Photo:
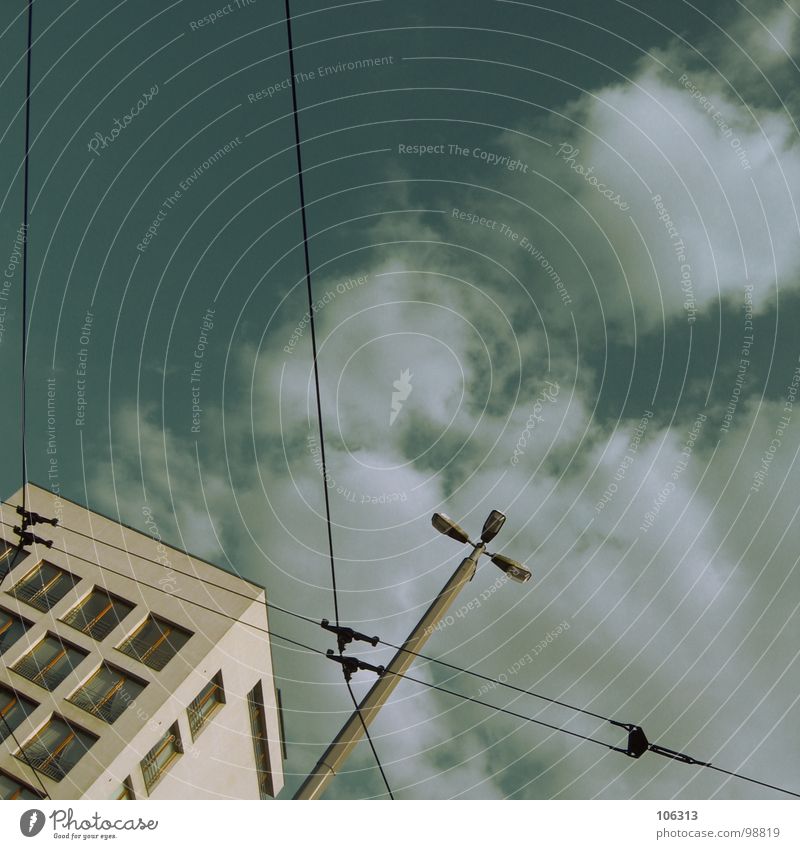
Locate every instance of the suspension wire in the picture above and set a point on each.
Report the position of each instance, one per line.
(421, 656)
(242, 595)
(496, 681)
(369, 739)
(23, 388)
(455, 668)
(130, 553)
(425, 657)
(312, 650)
(301, 188)
(553, 727)
(463, 697)
(382, 642)
(24, 334)
(751, 780)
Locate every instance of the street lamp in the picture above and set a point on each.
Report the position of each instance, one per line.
(492, 525)
(513, 568)
(388, 677)
(445, 525)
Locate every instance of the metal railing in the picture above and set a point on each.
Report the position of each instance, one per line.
(97, 629)
(201, 708)
(43, 760)
(260, 750)
(46, 676)
(108, 710)
(155, 762)
(44, 597)
(145, 651)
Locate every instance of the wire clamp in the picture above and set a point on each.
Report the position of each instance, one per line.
(347, 635)
(638, 743)
(353, 664)
(676, 756)
(27, 538)
(31, 518)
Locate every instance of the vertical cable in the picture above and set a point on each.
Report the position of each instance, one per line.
(311, 305)
(25, 252)
(25, 326)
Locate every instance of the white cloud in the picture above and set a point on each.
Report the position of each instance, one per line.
(661, 619)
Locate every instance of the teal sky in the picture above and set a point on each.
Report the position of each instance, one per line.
(682, 625)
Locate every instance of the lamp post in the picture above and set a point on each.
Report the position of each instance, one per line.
(352, 732)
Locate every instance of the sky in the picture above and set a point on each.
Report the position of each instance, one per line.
(555, 268)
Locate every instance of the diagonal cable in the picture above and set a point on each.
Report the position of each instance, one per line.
(470, 699)
(23, 754)
(311, 305)
(369, 740)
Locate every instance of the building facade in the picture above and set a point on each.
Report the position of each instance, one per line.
(128, 668)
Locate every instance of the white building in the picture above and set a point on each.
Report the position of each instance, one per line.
(129, 669)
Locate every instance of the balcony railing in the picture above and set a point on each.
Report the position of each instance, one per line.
(97, 629)
(143, 650)
(201, 709)
(41, 759)
(93, 703)
(158, 760)
(43, 598)
(260, 750)
(48, 678)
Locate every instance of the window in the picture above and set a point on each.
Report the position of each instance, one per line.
(258, 727)
(49, 662)
(161, 756)
(57, 748)
(11, 628)
(125, 791)
(44, 586)
(208, 700)
(107, 693)
(6, 557)
(98, 614)
(11, 789)
(281, 728)
(155, 642)
(13, 709)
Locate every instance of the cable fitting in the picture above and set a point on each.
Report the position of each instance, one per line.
(31, 518)
(353, 664)
(27, 538)
(344, 635)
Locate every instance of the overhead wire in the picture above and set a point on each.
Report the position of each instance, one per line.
(369, 739)
(540, 722)
(323, 462)
(496, 681)
(470, 699)
(299, 158)
(24, 262)
(23, 404)
(24, 335)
